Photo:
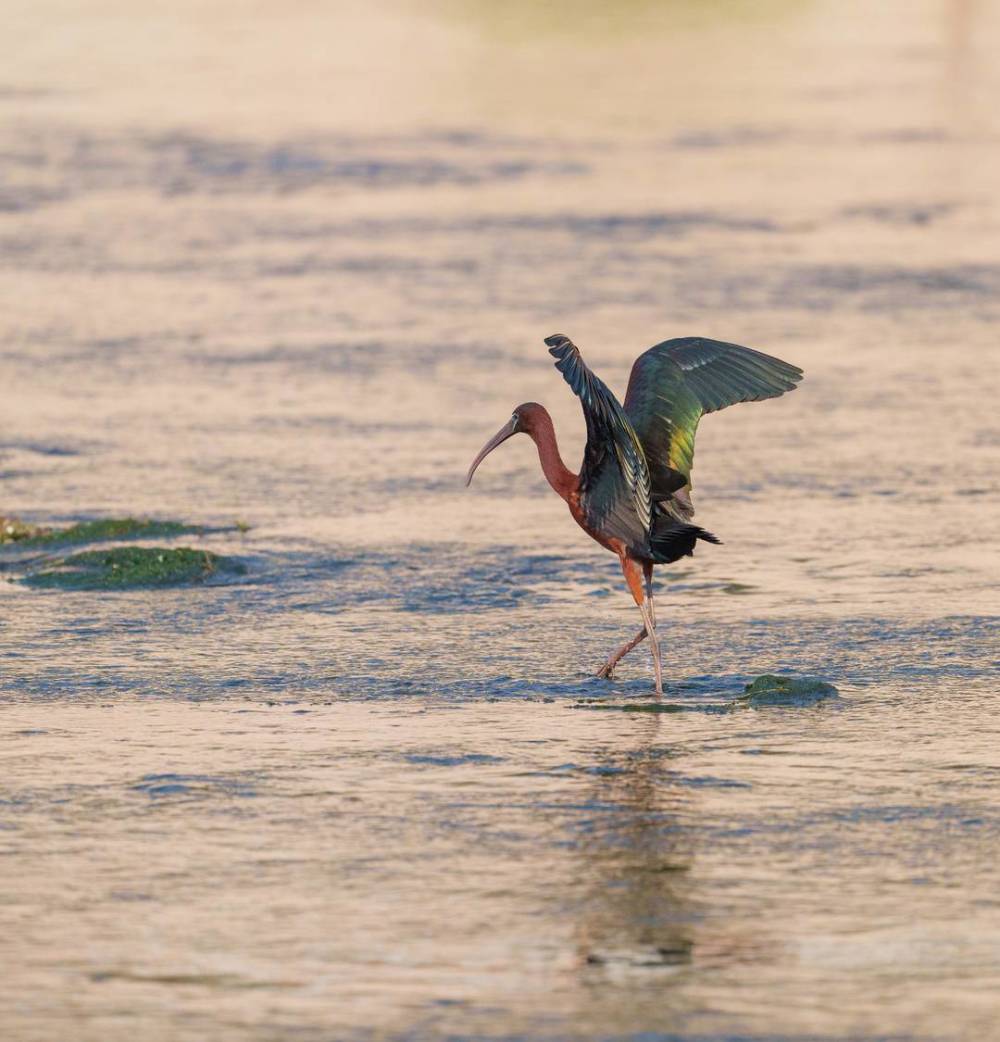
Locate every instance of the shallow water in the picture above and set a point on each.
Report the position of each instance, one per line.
(291, 266)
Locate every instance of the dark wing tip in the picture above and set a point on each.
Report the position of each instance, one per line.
(559, 345)
(787, 371)
(787, 377)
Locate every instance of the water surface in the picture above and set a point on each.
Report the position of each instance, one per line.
(291, 266)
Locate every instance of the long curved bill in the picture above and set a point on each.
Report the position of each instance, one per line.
(501, 436)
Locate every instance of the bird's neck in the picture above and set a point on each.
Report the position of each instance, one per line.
(558, 475)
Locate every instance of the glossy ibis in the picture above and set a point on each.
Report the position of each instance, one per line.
(633, 491)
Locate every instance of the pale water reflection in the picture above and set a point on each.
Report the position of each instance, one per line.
(522, 867)
(291, 265)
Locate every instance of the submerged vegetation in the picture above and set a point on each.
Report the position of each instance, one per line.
(108, 568)
(765, 690)
(13, 531)
(773, 690)
(129, 567)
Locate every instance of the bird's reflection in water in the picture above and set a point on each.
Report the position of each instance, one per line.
(637, 851)
(651, 929)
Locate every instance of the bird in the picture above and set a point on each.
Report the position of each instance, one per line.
(633, 490)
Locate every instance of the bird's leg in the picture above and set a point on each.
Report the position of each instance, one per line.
(654, 642)
(607, 671)
(634, 576)
(654, 645)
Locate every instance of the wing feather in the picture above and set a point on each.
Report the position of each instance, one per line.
(675, 383)
(614, 479)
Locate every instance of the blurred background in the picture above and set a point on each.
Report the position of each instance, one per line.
(289, 265)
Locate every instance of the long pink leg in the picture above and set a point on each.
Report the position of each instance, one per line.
(647, 571)
(654, 645)
(644, 601)
(607, 671)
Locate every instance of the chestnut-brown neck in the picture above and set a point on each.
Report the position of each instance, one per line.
(543, 434)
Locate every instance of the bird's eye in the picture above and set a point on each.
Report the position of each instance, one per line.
(514, 421)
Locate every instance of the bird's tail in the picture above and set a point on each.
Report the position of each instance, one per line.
(671, 540)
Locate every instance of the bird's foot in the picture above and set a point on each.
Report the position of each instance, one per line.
(606, 672)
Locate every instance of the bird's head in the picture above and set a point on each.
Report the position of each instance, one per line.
(524, 420)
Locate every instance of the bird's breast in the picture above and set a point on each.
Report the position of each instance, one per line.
(576, 509)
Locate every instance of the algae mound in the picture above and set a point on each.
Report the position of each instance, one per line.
(765, 691)
(14, 531)
(773, 690)
(90, 531)
(132, 567)
(111, 568)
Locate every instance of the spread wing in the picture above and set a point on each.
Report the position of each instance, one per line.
(675, 383)
(614, 479)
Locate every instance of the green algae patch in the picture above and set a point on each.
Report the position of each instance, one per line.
(132, 567)
(100, 531)
(763, 692)
(773, 690)
(14, 531)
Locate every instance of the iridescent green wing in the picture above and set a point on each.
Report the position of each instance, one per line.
(675, 383)
(614, 478)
